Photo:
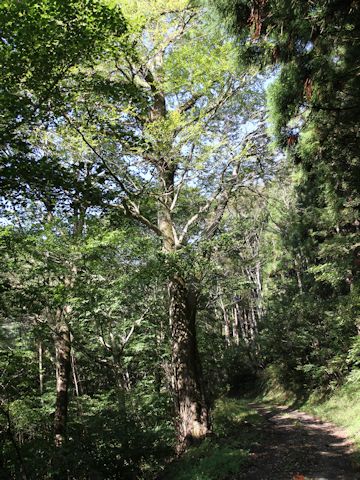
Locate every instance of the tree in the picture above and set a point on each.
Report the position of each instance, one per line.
(112, 309)
(41, 44)
(176, 146)
(150, 134)
(315, 116)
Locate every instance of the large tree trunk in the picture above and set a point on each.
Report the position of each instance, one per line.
(63, 369)
(63, 340)
(192, 418)
(191, 409)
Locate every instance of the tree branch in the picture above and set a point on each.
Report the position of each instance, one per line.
(130, 208)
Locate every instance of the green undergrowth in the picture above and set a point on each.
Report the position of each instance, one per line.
(270, 390)
(238, 427)
(340, 407)
(224, 454)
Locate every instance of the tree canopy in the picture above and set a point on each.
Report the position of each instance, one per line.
(179, 215)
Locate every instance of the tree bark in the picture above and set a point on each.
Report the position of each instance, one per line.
(63, 369)
(41, 371)
(63, 340)
(75, 375)
(226, 323)
(190, 404)
(192, 418)
(236, 324)
(12, 437)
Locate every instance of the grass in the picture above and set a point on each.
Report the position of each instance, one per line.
(237, 427)
(225, 454)
(342, 407)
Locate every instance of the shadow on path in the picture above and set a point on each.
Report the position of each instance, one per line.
(293, 445)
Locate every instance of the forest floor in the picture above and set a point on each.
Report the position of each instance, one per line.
(294, 445)
(262, 441)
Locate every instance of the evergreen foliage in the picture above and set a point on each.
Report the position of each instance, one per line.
(315, 118)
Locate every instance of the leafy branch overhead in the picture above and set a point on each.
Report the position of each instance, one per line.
(179, 222)
(177, 126)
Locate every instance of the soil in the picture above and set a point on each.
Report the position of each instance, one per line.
(295, 446)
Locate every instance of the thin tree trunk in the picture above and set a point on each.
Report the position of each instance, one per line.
(12, 438)
(252, 324)
(259, 302)
(158, 373)
(235, 326)
(74, 370)
(41, 371)
(299, 282)
(75, 375)
(63, 369)
(226, 323)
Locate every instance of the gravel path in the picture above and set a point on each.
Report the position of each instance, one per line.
(295, 446)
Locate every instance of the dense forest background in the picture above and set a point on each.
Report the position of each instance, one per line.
(179, 219)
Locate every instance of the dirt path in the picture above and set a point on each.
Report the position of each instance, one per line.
(296, 446)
